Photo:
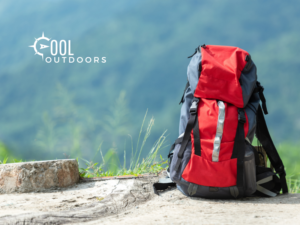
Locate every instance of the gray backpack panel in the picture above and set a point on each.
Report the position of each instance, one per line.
(193, 76)
(175, 175)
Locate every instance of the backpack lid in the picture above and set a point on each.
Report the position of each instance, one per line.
(222, 67)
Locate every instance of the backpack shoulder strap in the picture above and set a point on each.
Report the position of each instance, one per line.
(263, 135)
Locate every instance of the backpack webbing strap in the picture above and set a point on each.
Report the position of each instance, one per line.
(182, 98)
(196, 133)
(239, 151)
(188, 130)
(260, 90)
(263, 135)
(163, 184)
(177, 141)
(268, 183)
(264, 190)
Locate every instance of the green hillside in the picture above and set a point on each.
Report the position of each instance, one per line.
(51, 109)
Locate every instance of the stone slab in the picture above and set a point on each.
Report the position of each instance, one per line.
(38, 175)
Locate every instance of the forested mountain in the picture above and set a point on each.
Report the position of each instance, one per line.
(48, 109)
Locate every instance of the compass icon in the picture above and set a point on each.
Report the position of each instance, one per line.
(41, 45)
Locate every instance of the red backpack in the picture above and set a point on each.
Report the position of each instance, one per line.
(220, 114)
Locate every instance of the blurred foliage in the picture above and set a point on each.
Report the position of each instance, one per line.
(70, 131)
(115, 123)
(65, 110)
(6, 155)
(4, 152)
(111, 166)
(289, 154)
(293, 185)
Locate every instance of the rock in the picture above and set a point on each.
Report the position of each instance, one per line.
(37, 176)
(123, 194)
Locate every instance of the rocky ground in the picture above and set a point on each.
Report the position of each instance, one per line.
(131, 201)
(77, 204)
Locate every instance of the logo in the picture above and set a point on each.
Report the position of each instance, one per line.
(61, 52)
(42, 46)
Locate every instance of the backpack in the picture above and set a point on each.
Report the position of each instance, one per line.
(220, 114)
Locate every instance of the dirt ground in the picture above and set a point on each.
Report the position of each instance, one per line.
(174, 208)
(132, 201)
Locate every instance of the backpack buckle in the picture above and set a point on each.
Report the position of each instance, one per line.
(194, 106)
(260, 90)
